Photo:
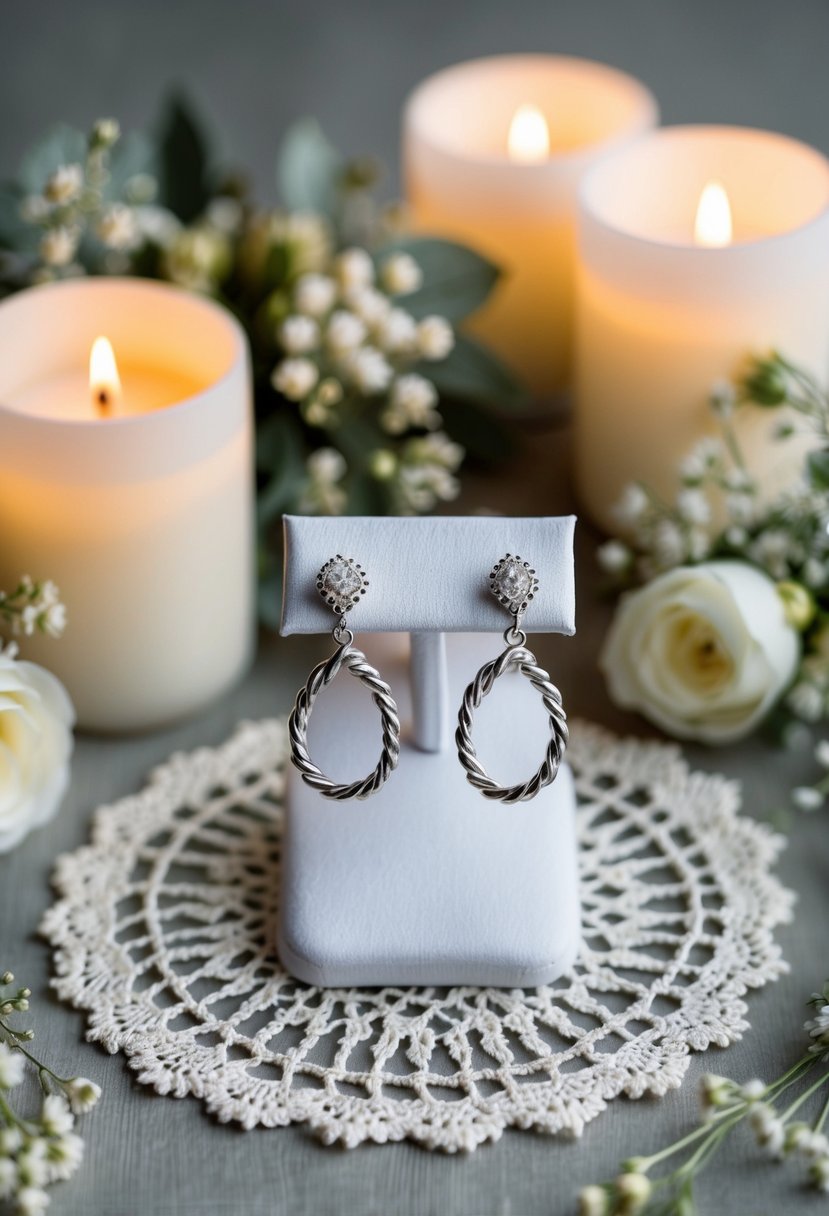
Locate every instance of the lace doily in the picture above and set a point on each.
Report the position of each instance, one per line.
(163, 932)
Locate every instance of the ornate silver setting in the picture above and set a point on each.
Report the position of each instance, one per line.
(342, 582)
(514, 583)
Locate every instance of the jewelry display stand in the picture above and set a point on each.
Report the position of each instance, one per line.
(427, 881)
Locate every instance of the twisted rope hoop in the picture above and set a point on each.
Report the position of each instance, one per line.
(322, 675)
(516, 655)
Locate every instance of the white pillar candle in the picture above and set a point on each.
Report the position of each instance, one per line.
(140, 508)
(494, 151)
(667, 307)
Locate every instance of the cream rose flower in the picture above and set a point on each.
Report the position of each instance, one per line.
(36, 719)
(703, 651)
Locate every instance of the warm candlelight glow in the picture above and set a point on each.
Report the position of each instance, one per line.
(529, 137)
(104, 381)
(713, 222)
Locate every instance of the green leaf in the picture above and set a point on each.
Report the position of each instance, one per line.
(280, 454)
(473, 373)
(15, 234)
(308, 169)
(63, 145)
(818, 466)
(456, 279)
(367, 496)
(183, 161)
(483, 436)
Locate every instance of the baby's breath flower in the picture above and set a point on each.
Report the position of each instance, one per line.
(314, 294)
(435, 338)
(822, 753)
(723, 398)
(819, 1174)
(693, 506)
(344, 332)
(370, 305)
(400, 274)
(382, 464)
(632, 505)
(299, 334)
(397, 333)
(354, 269)
(82, 1093)
(117, 228)
(369, 370)
(141, 189)
(815, 573)
(323, 495)
(12, 1067)
(63, 1157)
(330, 392)
(807, 798)
(703, 459)
(56, 1117)
(753, 1090)
(8, 1178)
(295, 378)
(632, 1193)
(806, 700)
(34, 209)
(593, 1201)
(225, 214)
(614, 557)
(412, 403)
(105, 133)
(58, 246)
(31, 1201)
(668, 543)
(64, 185)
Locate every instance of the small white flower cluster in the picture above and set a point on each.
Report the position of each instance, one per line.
(324, 493)
(717, 513)
(346, 334)
(33, 607)
(813, 797)
(775, 1133)
(347, 340)
(36, 1152)
(72, 205)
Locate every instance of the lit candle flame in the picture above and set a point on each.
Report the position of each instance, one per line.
(713, 222)
(104, 381)
(529, 136)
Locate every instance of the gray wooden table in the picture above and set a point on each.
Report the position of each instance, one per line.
(154, 1156)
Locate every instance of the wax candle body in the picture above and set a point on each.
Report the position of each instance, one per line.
(661, 319)
(143, 519)
(462, 183)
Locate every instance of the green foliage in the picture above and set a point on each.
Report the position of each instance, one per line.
(473, 373)
(456, 280)
(183, 163)
(309, 170)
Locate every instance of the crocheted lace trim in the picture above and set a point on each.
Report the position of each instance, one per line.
(163, 933)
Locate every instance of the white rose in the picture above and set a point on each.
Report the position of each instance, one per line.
(36, 720)
(703, 651)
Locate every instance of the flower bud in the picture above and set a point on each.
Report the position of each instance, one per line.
(798, 604)
(765, 383)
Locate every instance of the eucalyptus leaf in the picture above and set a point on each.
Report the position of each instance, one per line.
(280, 454)
(818, 465)
(15, 233)
(308, 169)
(456, 279)
(183, 161)
(62, 146)
(472, 373)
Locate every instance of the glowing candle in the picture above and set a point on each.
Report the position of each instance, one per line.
(697, 247)
(126, 476)
(494, 151)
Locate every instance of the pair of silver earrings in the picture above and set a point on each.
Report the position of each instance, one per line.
(342, 583)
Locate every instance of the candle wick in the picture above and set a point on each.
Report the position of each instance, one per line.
(103, 399)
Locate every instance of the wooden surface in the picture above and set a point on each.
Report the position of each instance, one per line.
(164, 1157)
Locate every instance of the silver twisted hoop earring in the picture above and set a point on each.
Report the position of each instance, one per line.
(342, 582)
(513, 582)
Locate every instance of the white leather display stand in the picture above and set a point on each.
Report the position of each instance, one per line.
(428, 882)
